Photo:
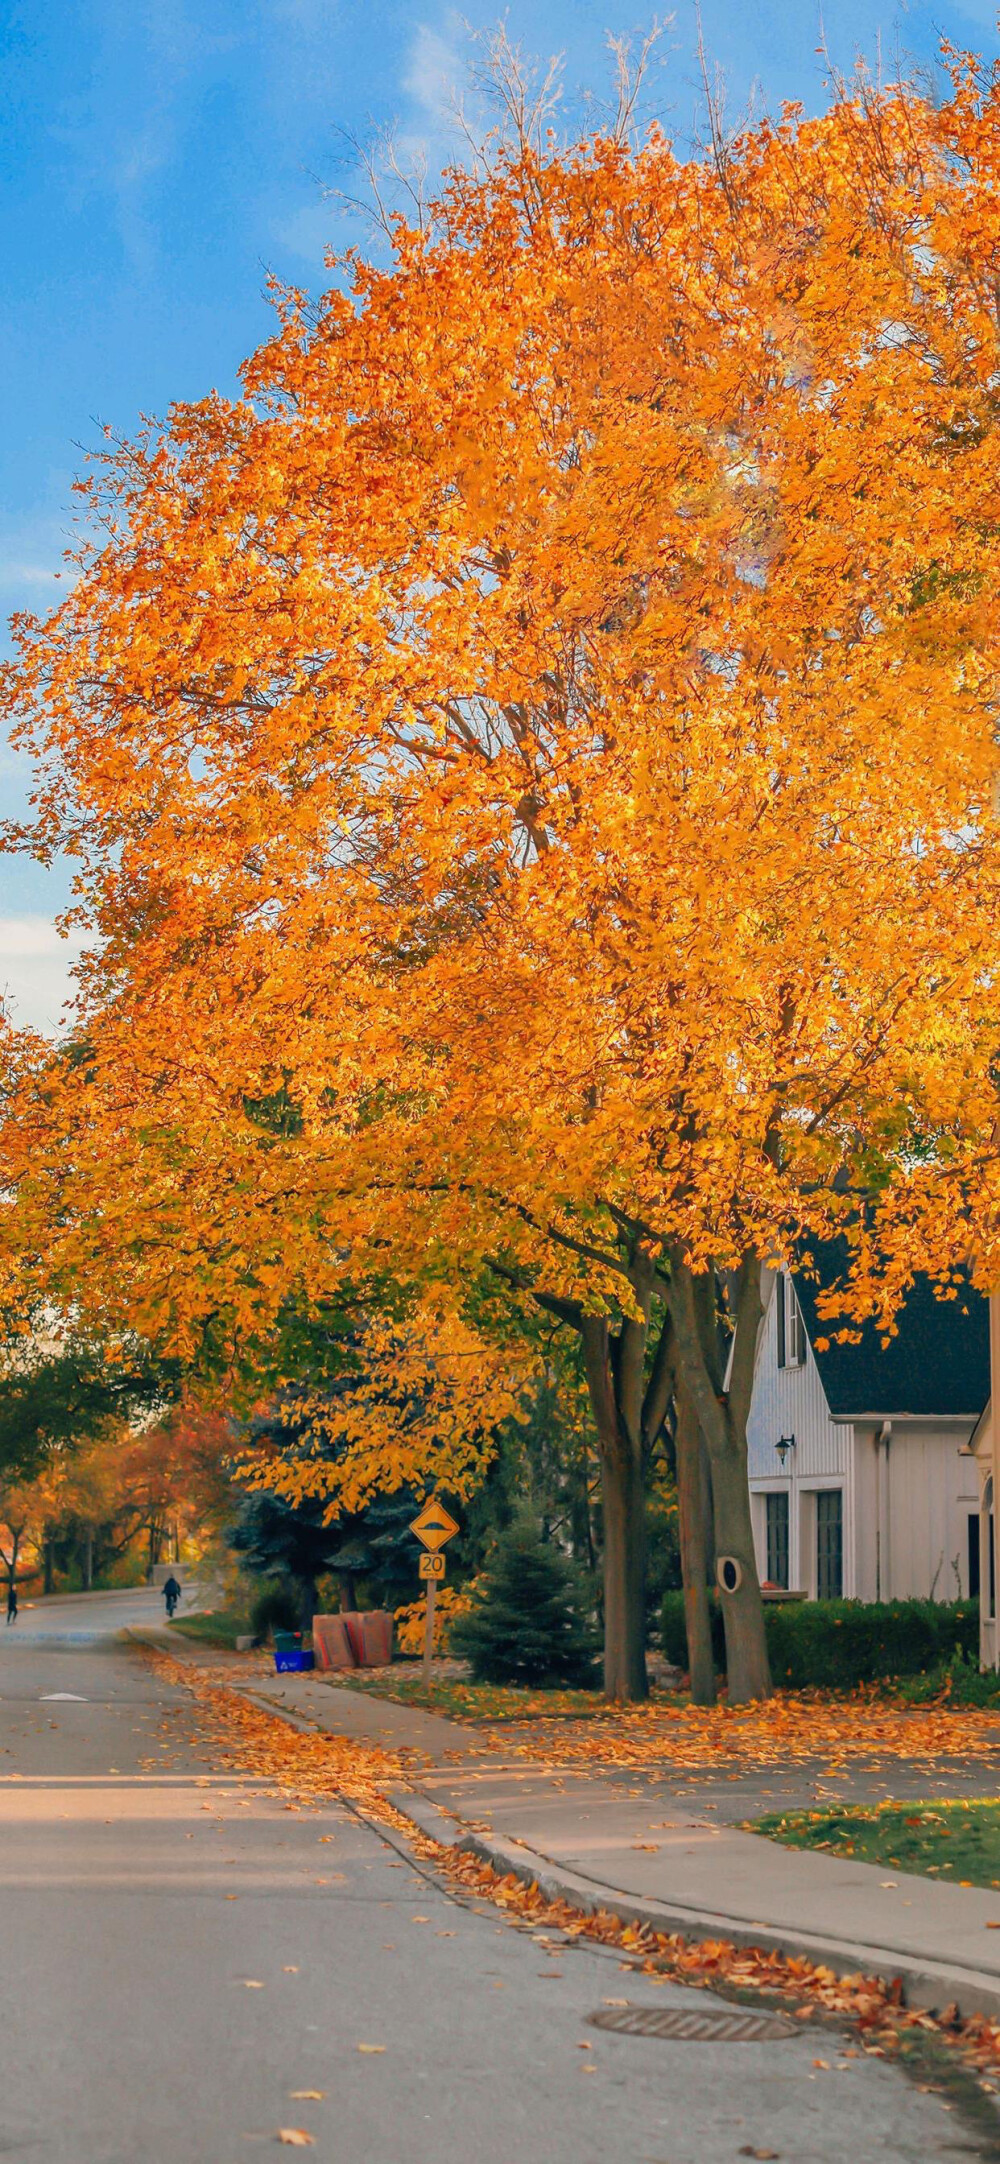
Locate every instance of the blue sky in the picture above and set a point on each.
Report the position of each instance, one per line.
(159, 157)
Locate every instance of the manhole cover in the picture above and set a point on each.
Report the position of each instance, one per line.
(689, 2025)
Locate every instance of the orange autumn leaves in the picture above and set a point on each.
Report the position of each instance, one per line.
(793, 1729)
(542, 732)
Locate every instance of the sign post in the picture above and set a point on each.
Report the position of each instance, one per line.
(433, 1528)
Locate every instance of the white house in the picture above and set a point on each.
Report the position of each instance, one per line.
(862, 1479)
(985, 1455)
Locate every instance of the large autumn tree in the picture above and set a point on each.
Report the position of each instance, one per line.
(545, 728)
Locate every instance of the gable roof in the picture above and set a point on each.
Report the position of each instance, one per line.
(938, 1362)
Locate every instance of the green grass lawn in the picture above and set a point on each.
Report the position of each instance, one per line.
(959, 1842)
(463, 1701)
(217, 1629)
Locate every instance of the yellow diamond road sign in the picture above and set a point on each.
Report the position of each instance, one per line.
(434, 1526)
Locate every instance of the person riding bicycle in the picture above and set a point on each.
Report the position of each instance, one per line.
(171, 1594)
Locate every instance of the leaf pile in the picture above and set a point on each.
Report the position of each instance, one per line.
(789, 1729)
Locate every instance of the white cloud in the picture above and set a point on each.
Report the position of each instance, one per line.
(311, 230)
(434, 75)
(35, 964)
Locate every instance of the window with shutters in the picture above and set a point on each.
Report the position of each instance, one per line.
(796, 1331)
(777, 1538)
(791, 1328)
(829, 1544)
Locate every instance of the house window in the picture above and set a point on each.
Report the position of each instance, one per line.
(777, 1538)
(986, 1526)
(791, 1328)
(974, 1555)
(829, 1544)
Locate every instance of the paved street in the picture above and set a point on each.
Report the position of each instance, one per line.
(97, 1614)
(181, 1953)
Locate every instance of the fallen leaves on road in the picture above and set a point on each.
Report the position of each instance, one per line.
(873, 2004)
(295, 2137)
(306, 2096)
(297, 1766)
(308, 1767)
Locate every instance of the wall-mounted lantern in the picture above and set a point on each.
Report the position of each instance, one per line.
(784, 1444)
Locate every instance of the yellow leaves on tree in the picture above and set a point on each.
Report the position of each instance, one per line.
(449, 1601)
(531, 764)
(427, 1406)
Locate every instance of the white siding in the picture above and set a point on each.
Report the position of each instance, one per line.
(792, 1401)
(906, 1510)
(917, 1498)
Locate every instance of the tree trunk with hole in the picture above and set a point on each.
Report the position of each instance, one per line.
(720, 1384)
(695, 1549)
(747, 1666)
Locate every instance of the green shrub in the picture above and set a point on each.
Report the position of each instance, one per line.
(840, 1643)
(276, 1608)
(529, 1622)
(959, 1682)
(673, 1632)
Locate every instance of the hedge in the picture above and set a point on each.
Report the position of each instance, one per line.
(840, 1643)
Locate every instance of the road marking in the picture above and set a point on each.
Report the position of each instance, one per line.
(50, 1698)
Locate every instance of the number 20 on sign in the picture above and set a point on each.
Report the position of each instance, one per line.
(433, 1526)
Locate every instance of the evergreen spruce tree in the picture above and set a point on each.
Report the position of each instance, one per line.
(530, 1623)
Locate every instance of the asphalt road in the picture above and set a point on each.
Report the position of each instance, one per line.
(180, 1953)
(97, 1614)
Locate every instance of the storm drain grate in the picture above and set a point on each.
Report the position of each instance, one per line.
(688, 2025)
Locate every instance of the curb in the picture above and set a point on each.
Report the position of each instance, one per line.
(926, 1984)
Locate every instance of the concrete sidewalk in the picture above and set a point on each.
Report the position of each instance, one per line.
(667, 1859)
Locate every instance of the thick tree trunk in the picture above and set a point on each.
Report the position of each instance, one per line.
(348, 1594)
(611, 1371)
(623, 1494)
(722, 1403)
(747, 1665)
(48, 1567)
(695, 1549)
(88, 1561)
(307, 1603)
(581, 1530)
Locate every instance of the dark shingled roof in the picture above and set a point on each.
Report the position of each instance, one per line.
(939, 1361)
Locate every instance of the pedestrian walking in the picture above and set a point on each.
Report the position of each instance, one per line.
(171, 1594)
(12, 1603)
